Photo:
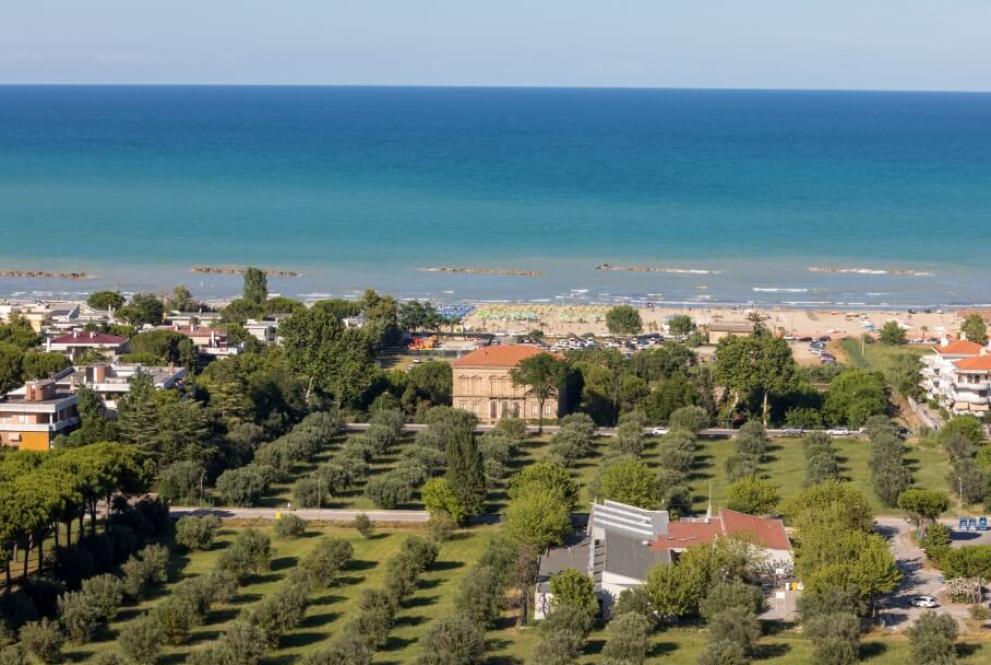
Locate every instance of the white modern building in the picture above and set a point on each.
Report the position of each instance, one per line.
(957, 375)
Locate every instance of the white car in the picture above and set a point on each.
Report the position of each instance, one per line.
(927, 602)
(659, 431)
(838, 431)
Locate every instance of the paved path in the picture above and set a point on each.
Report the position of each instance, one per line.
(918, 579)
(321, 514)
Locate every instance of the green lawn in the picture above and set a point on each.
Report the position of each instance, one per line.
(508, 645)
(330, 609)
(878, 356)
(785, 466)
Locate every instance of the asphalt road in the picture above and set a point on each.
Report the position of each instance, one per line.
(326, 515)
(711, 432)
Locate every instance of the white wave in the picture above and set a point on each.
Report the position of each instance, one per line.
(779, 290)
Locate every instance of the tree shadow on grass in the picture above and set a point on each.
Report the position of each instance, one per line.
(361, 564)
(420, 601)
(221, 616)
(319, 620)
(767, 651)
(329, 599)
(396, 643)
(296, 640)
(659, 649)
(244, 598)
(283, 562)
(870, 650)
(446, 565)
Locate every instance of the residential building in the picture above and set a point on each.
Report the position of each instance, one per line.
(78, 343)
(621, 543)
(615, 551)
(209, 341)
(768, 534)
(112, 381)
(957, 375)
(263, 331)
(31, 416)
(482, 385)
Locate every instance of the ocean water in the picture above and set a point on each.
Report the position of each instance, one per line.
(732, 196)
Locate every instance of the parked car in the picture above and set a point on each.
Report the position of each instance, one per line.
(838, 431)
(927, 602)
(793, 431)
(963, 524)
(982, 523)
(659, 431)
(972, 523)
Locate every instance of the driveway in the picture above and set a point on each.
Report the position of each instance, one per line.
(918, 579)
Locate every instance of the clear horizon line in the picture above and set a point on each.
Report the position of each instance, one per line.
(4, 84)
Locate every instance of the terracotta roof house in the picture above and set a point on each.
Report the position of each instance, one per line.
(79, 342)
(482, 385)
(957, 375)
(767, 533)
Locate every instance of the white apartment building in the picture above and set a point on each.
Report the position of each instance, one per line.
(957, 375)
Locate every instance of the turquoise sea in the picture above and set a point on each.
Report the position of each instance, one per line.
(732, 196)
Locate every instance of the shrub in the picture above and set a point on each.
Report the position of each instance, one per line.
(248, 554)
(109, 658)
(389, 490)
(574, 588)
(692, 419)
(149, 566)
(724, 653)
(281, 612)
(439, 498)
(753, 496)
(309, 492)
(14, 655)
(479, 598)
(737, 624)
(452, 641)
(628, 639)
(43, 639)
(326, 560)
(181, 482)
(142, 641)
(78, 616)
(932, 637)
(196, 533)
(106, 592)
(177, 615)
(441, 527)
(242, 644)
(244, 486)
(363, 525)
(349, 649)
(634, 601)
(726, 595)
(290, 526)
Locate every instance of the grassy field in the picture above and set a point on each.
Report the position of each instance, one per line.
(508, 645)
(878, 356)
(330, 609)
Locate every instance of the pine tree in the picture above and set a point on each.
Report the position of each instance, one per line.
(138, 412)
(465, 470)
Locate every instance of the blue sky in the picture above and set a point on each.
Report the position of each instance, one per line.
(833, 44)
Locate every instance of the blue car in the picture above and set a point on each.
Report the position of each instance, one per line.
(963, 524)
(972, 523)
(982, 524)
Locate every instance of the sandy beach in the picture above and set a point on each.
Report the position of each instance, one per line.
(562, 320)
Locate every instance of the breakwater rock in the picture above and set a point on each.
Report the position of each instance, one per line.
(238, 270)
(506, 272)
(45, 274)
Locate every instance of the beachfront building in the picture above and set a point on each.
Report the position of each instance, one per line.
(482, 385)
(33, 415)
(957, 376)
(77, 344)
(720, 329)
(621, 543)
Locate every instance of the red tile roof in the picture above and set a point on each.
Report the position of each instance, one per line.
(767, 532)
(500, 355)
(960, 347)
(90, 339)
(977, 363)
